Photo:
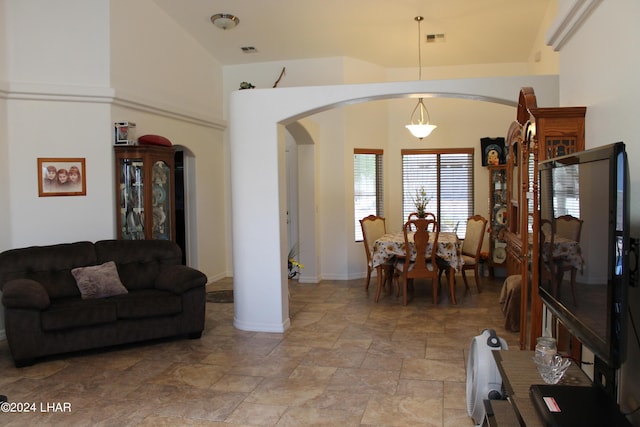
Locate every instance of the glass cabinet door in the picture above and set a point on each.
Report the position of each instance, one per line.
(160, 200)
(132, 199)
(498, 210)
(145, 199)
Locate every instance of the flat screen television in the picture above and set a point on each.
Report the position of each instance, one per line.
(593, 186)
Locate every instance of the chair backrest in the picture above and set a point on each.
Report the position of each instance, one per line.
(421, 237)
(373, 227)
(427, 215)
(569, 227)
(472, 244)
(546, 239)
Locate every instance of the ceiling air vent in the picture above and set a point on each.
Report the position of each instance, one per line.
(249, 49)
(435, 38)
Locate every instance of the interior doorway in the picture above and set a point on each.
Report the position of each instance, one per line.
(179, 203)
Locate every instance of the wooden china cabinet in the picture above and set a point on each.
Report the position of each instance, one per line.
(145, 193)
(537, 134)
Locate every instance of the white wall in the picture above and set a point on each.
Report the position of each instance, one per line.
(598, 69)
(378, 124)
(258, 175)
(127, 61)
(58, 94)
(157, 90)
(155, 60)
(68, 69)
(4, 145)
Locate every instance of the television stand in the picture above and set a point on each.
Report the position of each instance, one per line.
(518, 373)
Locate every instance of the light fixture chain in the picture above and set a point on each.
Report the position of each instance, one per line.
(419, 18)
(423, 128)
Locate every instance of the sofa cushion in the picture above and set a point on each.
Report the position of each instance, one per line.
(180, 278)
(75, 312)
(98, 281)
(139, 261)
(49, 265)
(24, 293)
(147, 303)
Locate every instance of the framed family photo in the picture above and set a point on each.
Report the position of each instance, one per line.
(61, 177)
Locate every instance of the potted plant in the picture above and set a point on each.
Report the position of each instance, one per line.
(293, 266)
(421, 201)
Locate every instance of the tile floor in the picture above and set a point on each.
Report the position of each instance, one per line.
(345, 361)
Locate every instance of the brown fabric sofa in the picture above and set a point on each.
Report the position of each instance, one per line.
(45, 313)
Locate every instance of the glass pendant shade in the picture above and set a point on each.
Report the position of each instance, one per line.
(422, 128)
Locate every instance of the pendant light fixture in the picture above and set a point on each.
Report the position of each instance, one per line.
(419, 127)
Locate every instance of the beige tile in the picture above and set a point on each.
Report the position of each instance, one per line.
(383, 362)
(439, 370)
(457, 418)
(403, 411)
(421, 389)
(338, 358)
(452, 393)
(236, 383)
(297, 416)
(200, 376)
(364, 381)
(284, 391)
(344, 361)
(256, 414)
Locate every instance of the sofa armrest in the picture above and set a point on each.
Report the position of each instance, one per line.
(179, 279)
(25, 293)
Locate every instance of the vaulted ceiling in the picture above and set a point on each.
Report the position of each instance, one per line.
(382, 32)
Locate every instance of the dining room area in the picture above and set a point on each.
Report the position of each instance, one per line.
(421, 251)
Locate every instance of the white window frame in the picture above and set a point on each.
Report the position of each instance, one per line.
(448, 178)
(368, 186)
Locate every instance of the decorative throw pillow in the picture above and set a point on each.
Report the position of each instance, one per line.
(98, 281)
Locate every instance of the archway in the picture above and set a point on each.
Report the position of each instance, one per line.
(258, 174)
(185, 183)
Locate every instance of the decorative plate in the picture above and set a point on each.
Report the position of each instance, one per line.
(159, 195)
(501, 216)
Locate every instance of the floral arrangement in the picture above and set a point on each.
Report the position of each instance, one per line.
(293, 266)
(421, 201)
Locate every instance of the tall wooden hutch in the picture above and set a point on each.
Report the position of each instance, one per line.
(537, 134)
(145, 192)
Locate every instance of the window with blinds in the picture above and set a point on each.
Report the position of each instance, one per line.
(367, 186)
(447, 177)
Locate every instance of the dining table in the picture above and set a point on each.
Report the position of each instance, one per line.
(392, 245)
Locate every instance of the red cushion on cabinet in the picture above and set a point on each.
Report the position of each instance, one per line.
(154, 140)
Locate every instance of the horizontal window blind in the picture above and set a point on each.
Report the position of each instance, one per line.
(447, 177)
(367, 186)
(567, 192)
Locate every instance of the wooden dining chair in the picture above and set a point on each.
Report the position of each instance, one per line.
(422, 266)
(569, 227)
(471, 247)
(373, 227)
(548, 270)
(427, 215)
